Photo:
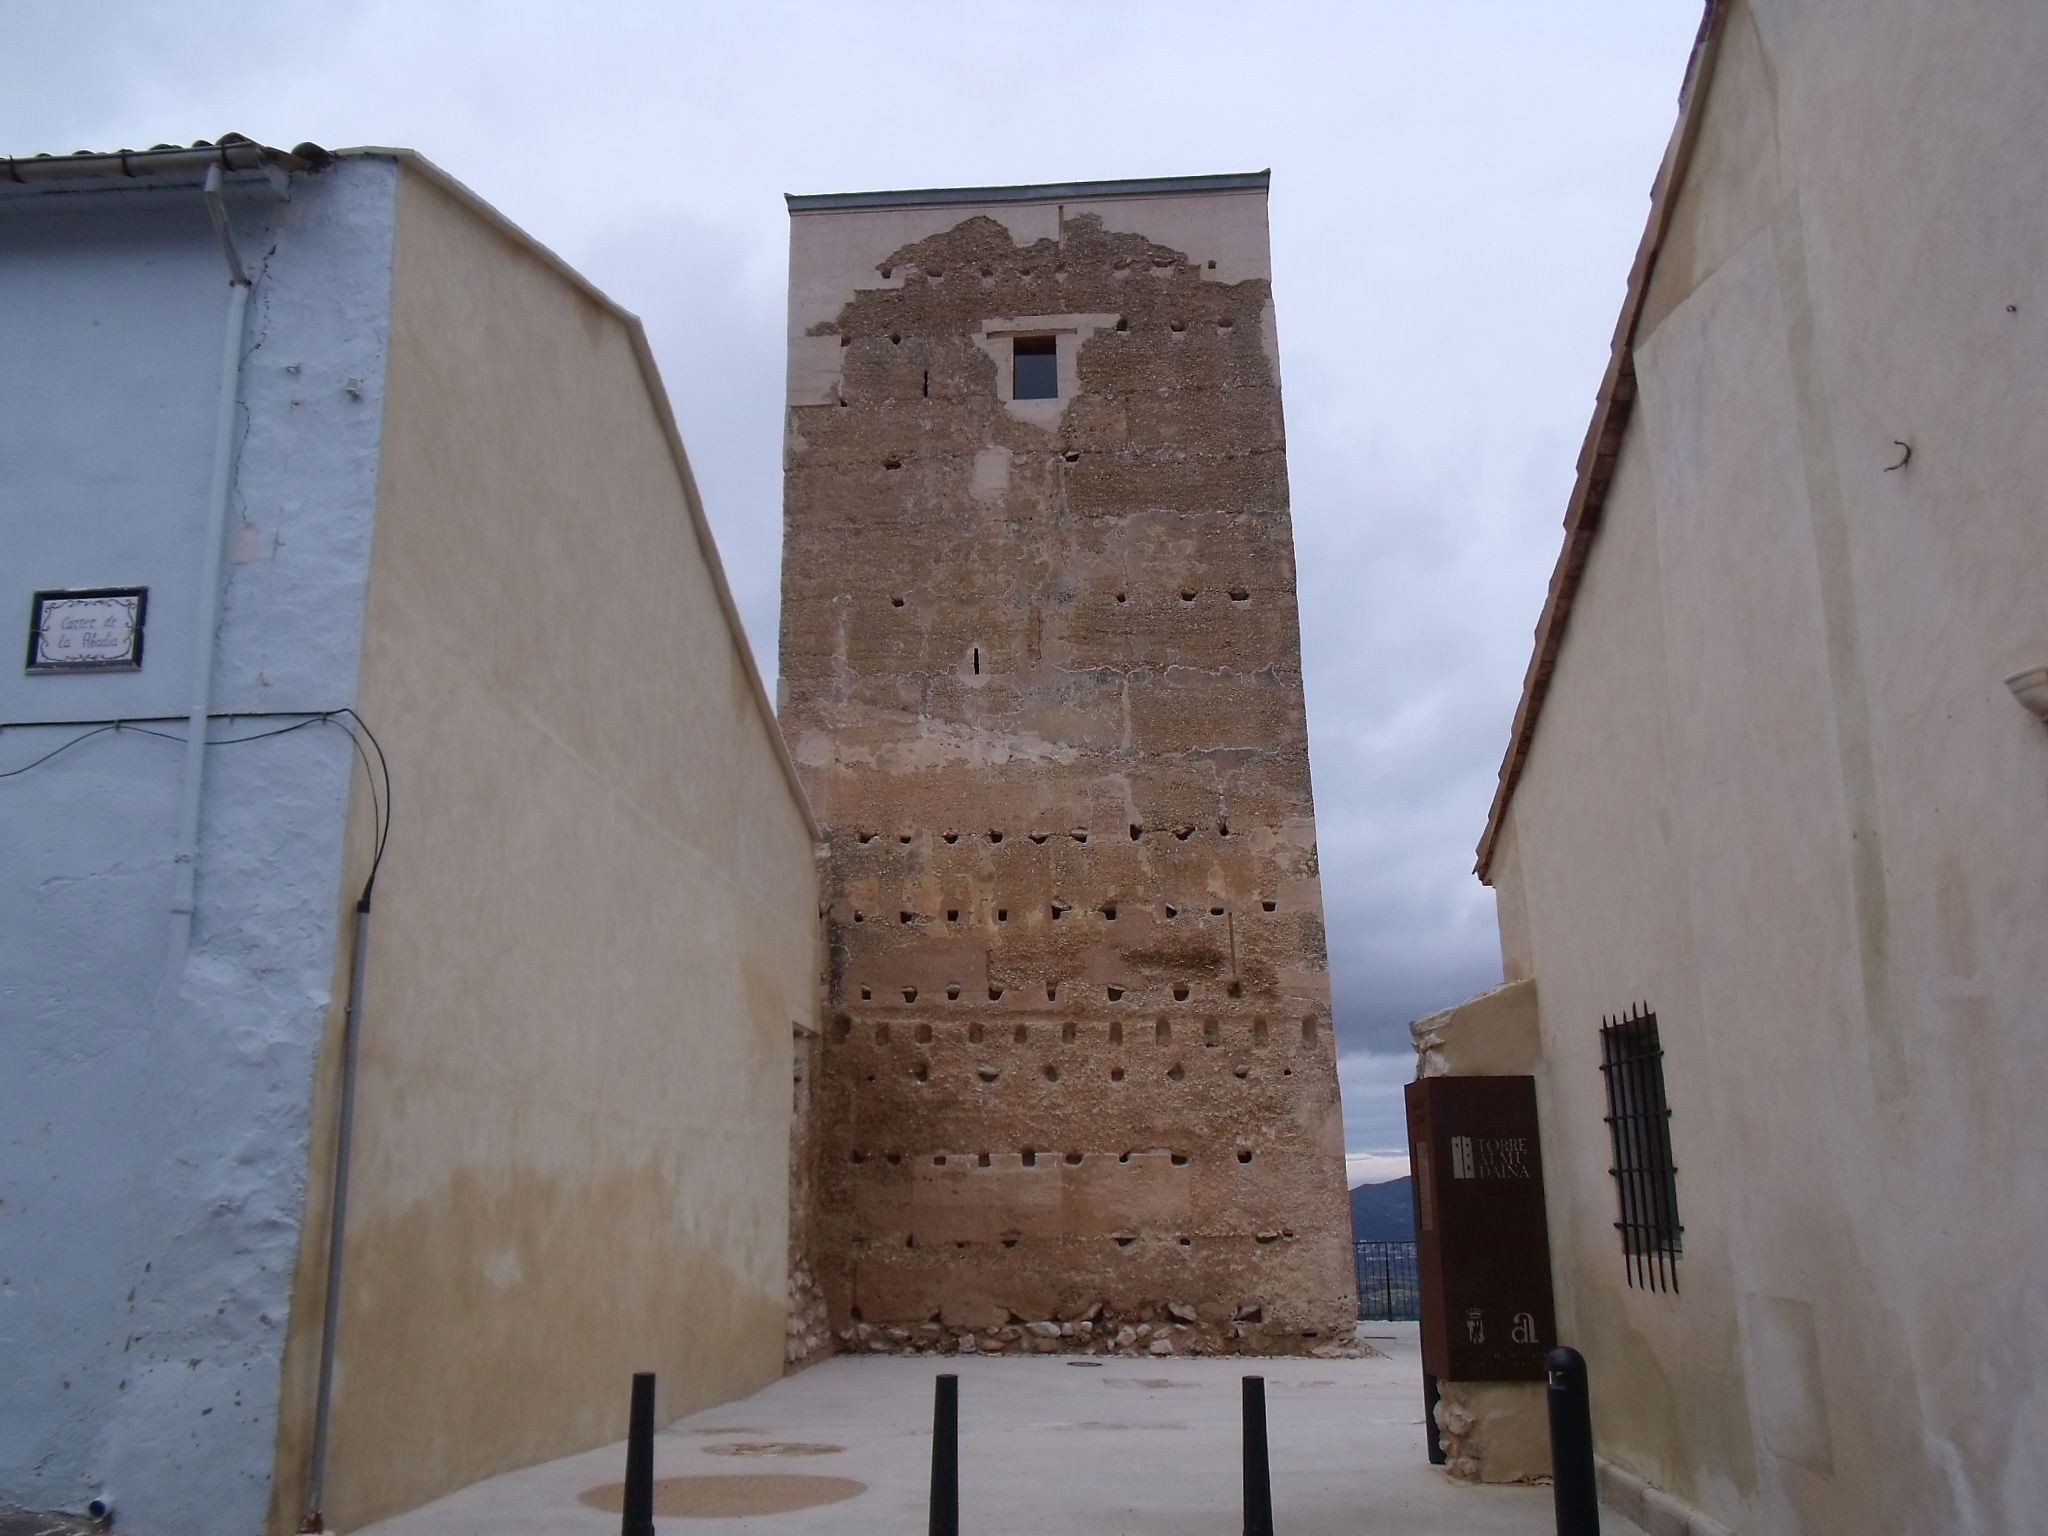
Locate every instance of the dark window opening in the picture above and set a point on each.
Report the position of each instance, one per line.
(1639, 1124)
(1035, 368)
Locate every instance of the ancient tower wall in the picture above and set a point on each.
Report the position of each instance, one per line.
(1041, 673)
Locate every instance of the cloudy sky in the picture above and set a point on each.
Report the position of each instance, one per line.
(1458, 186)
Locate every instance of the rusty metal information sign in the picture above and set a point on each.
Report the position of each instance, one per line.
(1482, 1237)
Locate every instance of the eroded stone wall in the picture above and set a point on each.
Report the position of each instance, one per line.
(1041, 671)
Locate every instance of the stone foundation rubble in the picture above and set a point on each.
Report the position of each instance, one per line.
(1180, 1332)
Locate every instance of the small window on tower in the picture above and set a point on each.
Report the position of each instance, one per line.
(1035, 371)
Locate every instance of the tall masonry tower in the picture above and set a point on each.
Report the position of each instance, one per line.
(1041, 674)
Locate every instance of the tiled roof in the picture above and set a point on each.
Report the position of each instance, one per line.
(1612, 408)
(231, 152)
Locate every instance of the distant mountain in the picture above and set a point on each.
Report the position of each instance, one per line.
(1383, 1212)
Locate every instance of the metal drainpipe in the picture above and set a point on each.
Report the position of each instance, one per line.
(337, 1220)
(206, 624)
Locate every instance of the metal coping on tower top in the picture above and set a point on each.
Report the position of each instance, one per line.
(1048, 192)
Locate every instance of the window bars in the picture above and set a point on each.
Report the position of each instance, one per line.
(1639, 1121)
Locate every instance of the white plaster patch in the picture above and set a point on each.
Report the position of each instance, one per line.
(991, 473)
(246, 544)
(814, 369)
(813, 749)
(862, 240)
(939, 744)
(1227, 248)
(504, 1270)
(1269, 337)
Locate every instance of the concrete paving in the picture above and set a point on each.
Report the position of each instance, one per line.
(1146, 1447)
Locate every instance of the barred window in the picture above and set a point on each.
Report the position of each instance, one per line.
(1639, 1123)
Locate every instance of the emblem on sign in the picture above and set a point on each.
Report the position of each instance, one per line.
(93, 629)
(1475, 1326)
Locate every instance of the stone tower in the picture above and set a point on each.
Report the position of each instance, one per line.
(1041, 674)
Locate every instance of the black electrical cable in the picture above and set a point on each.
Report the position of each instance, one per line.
(384, 767)
(230, 741)
(347, 719)
(66, 747)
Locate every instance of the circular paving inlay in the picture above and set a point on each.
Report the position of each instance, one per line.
(731, 1495)
(774, 1448)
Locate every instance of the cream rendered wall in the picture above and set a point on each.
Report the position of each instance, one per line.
(596, 923)
(1780, 792)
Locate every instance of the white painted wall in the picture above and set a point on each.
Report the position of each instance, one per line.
(1780, 792)
(153, 1123)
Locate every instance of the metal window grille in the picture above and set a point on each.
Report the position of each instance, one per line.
(1639, 1122)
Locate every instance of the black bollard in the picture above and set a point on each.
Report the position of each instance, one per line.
(637, 1508)
(945, 1519)
(1571, 1444)
(1258, 1471)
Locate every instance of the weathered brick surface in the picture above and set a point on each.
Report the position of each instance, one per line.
(1043, 682)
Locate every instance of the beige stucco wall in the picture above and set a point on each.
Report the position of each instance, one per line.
(1780, 793)
(596, 924)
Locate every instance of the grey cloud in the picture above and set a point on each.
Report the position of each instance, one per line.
(1457, 195)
